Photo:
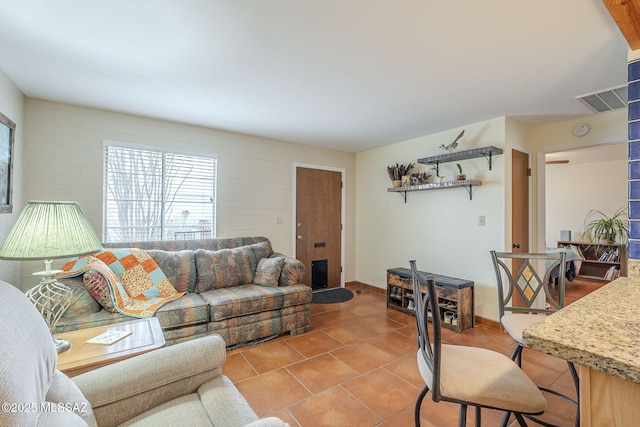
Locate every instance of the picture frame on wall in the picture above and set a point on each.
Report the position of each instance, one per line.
(7, 136)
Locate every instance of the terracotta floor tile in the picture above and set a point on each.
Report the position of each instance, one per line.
(359, 352)
(271, 356)
(313, 343)
(272, 391)
(237, 368)
(333, 408)
(322, 372)
(349, 333)
(363, 356)
(407, 369)
(394, 343)
(382, 392)
(380, 324)
(320, 322)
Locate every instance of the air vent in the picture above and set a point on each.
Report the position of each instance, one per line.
(607, 100)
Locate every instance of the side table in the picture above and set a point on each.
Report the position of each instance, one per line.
(146, 335)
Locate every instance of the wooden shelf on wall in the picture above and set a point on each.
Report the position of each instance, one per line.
(467, 184)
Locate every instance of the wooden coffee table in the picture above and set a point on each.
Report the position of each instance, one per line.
(146, 335)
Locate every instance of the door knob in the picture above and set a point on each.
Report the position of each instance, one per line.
(515, 245)
(299, 237)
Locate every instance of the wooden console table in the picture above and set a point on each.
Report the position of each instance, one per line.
(455, 297)
(146, 335)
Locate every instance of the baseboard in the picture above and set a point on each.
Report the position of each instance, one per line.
(364, 286)
(488, 323)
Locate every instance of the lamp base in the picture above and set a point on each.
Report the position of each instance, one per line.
(61, 345)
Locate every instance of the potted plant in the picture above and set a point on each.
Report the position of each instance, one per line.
(603, 229)
(460, 176)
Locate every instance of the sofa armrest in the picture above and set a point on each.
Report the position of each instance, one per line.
(123, 390)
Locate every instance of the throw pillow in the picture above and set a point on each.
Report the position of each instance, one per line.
(98, 287)
(268, 271)
(81, 301)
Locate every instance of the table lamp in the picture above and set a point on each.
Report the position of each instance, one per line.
(47, 231)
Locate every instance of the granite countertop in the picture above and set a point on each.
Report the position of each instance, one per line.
(600, 330)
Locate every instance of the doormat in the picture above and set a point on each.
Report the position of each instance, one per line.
(331, 296)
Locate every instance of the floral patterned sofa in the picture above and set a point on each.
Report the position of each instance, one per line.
(227, 291)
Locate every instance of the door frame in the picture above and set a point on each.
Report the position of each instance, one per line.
(541, 180)
(343, 198)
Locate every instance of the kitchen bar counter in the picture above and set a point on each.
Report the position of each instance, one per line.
(600, 334)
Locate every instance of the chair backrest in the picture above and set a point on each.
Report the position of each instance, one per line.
(429, 302)
(519, 276)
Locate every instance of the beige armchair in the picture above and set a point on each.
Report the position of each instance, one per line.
(177, 385)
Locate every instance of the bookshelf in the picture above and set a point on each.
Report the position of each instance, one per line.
(600, 263)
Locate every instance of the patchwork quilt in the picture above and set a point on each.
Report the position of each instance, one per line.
(132, 282)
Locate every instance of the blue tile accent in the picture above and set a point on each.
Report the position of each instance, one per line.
(634, 249)
(634, 150)
(634, 229)
(634, 110)
(634, 91)
(634, 210)
(634, 170)
(634, 131)
(634, 190)
(634, 71)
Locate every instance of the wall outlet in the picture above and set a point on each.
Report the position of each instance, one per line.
(481, 220)
(279, 220)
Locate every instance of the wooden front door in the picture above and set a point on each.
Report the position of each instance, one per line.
(318, 225)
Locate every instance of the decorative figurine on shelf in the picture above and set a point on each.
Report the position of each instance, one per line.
(452, 147)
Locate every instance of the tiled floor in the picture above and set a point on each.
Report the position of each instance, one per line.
(356, 367)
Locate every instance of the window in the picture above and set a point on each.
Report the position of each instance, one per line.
(154, 195)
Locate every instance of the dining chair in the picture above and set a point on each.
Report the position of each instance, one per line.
(525, 282)
(468, 376)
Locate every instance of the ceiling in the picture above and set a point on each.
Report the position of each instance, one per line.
(343, 74)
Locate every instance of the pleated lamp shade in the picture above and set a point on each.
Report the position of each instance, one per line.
(50, 230)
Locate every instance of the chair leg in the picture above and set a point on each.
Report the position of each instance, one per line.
(462, 419)
(478, 416)
(520, 419)
(421, 396)
(505, 419)
(576, 383)
(516, 355)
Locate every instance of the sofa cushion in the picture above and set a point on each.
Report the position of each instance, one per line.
(191, 309)
(99, 289)
(248, 299)
(268, 271)
(228, 267)
(242, 300)
(178, 266)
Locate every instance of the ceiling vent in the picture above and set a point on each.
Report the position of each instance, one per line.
(607, 100)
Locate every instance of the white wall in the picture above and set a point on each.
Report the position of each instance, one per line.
(605, 128)
(63, 161)
(578, 188)
(12, 106)
(438, 228)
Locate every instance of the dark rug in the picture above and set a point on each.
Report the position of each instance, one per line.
(331, 296)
